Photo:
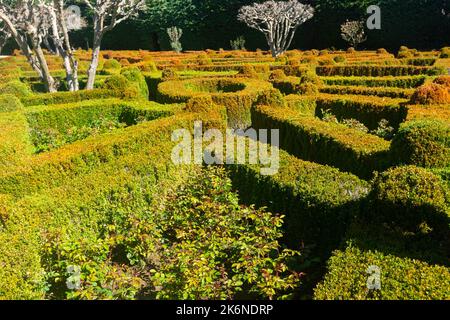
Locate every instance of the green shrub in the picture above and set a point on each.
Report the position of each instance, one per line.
(410, 197)
(120, 84)
(277, 75)
(169, 74)
(148, 66)
(367, 110)
(339, 59)
(318, 201)
(326, 143)
(424, 143)
(9, 102)
(137, 80)
(112, 64)
(398, 82)
(372, 70)
(17, 88)
(69, 97)
(445, 53)
(272, 98)
(249, 71)
(394, 93)
(402, 278)
(15, 146)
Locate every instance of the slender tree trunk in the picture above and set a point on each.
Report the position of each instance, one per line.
(94, 63)
(46, 76)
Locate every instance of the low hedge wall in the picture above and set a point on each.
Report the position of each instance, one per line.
(65, 116)
(369, 91)
(15, 146)
(37, 222)
(301, 103)
(50, 168)
(318, 201)
(412, 267)
(371, 71)
(431, 112)
(367, 110)
(396, 82)
(244, 93)
(402, 278)
(69, 97)
(326, 143)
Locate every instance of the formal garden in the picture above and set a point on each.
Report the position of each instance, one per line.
(92, 205)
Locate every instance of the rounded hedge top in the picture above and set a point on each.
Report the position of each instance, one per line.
(17, 88)
(424, 143)
(183, 90)
(409, 196)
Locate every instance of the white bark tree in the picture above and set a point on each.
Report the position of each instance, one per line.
(5, 35)
(278, 20)
(59, 26)
(33, 23)
(353, 32)
(106, 15)
(27, 22)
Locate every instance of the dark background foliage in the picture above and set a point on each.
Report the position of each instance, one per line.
(211, 24)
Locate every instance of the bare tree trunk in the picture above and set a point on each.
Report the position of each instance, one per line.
(49, 82)
(94, 63)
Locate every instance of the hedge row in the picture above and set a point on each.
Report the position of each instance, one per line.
(369, 91)
(66, 116)
(69, 97)
(237, 95)
(334, 144)
(32, 225)
(318, 201)
(371, 71)
(396, 82)
(402, 278)
(15, 146)
(367, 110)
(50, 168)
(302, 103)
(420, 112)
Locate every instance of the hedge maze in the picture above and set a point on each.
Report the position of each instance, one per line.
(364, 177)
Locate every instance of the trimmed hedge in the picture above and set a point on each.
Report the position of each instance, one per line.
(237, 95)
(63, 118)
(326, 143)
(368, 110)
(402, 278)
(39, 221)
(371, 71)
(369, 91)
(318, 201)
(302, 103)
(48, 169)
(432, 112)
(15, 146)
(409, 197)
(9, 102)
(424, 143)
(69, 97)
(16, 88)
(397, 82)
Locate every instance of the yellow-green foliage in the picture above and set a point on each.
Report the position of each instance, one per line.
(237, 95)
(327, 143)
(424, 143)
(411, 198)
(318, 200)
(368, 110)
(15, 147)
